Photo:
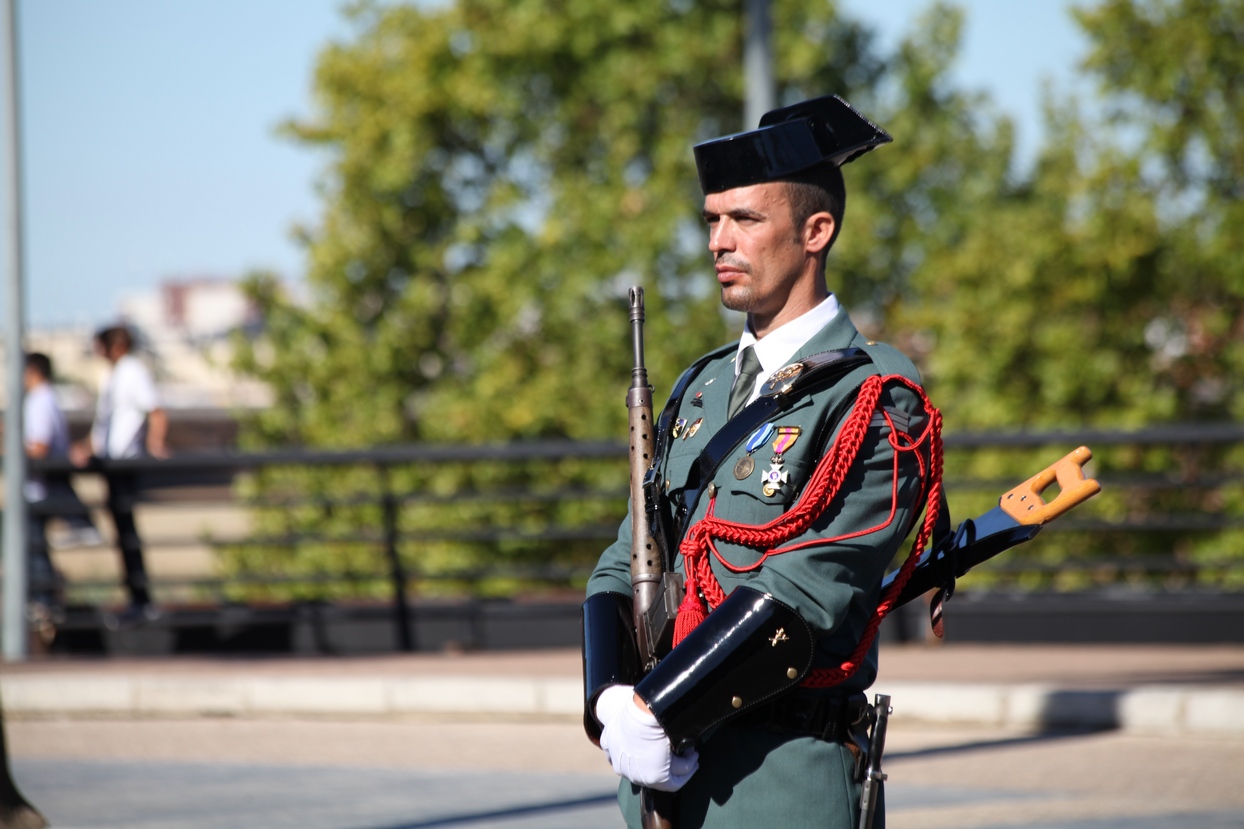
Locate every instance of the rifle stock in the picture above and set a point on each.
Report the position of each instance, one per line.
(1019, 516)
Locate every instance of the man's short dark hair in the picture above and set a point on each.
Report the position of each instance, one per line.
(117, 334)
(40, 363)
(818, 190)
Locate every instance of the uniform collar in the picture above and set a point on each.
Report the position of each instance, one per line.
(776, 348)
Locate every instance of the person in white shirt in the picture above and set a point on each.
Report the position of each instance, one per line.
(129, 423)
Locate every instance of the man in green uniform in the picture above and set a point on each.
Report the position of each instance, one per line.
(785, 528)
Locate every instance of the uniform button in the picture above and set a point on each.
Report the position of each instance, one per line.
(791, 673)
(737, 702)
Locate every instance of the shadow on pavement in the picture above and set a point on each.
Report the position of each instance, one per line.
(501, 814)
(985, 745)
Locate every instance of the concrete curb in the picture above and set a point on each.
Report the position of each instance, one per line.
(139, 695)
(1142, 710)
(1161, 710)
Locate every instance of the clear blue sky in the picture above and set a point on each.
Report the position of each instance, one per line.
(150, 145)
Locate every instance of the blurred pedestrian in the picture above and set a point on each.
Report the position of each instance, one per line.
(46, 436)
(129, 423)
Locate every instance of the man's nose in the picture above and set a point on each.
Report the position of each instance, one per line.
(720, 238)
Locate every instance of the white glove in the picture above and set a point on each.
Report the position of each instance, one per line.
(637, 746)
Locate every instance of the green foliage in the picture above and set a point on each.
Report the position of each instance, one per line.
(1105, 288)
(501, 171)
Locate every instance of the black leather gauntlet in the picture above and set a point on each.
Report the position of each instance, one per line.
(749, 650)
(610, 654)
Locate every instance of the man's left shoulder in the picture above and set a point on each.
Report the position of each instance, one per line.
(888, 360)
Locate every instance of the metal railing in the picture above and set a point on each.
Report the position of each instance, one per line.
(368, 484)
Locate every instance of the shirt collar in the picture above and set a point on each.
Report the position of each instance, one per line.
(776, 348)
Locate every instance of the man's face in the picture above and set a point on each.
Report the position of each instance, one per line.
(758, 252)
(31, 378)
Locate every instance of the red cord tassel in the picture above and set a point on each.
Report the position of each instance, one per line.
(690, 612)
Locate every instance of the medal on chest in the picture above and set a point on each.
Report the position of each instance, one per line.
(746, 465)
(775, 477)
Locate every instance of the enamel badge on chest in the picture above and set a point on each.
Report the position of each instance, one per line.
(774, 477)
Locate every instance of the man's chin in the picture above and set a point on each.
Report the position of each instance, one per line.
(736, 298)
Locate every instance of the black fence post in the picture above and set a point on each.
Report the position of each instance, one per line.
(401, 607)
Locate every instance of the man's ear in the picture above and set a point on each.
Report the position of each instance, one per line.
(818, 230)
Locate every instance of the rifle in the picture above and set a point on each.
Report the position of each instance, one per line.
(655, 588)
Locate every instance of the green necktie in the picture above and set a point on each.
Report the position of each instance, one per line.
(745, 383)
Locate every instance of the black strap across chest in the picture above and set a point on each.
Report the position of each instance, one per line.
(812, 373)
(819, 371)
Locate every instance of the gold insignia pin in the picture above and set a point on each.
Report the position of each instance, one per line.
(780, 636)
(782, 380)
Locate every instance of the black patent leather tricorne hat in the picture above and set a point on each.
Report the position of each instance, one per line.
(789, 140)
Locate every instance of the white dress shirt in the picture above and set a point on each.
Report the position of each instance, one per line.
(776, 348)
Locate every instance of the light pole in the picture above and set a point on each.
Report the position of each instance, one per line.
(14, 557)
(760, 86)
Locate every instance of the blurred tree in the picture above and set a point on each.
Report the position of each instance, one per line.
(1106, 288)
(502, 171)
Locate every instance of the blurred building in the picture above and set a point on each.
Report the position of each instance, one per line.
(186, 329)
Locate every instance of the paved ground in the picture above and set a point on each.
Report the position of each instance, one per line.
(332, 765)
(204, 774)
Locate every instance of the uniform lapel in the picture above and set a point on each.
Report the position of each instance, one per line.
(839, 333)
(715, 385)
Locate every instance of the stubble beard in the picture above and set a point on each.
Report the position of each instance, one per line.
(737, 297)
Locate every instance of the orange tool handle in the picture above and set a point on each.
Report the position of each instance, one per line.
(1024, 502)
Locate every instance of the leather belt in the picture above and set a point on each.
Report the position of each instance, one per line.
(810, 715)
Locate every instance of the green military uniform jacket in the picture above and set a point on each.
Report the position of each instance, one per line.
(748, 777)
